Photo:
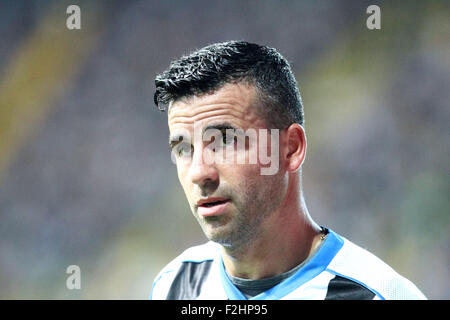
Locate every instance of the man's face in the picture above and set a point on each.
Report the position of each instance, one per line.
(232, 201)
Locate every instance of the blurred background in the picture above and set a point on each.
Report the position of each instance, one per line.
(85, 172)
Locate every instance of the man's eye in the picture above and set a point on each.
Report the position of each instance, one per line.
(228, 139)
(183, 149)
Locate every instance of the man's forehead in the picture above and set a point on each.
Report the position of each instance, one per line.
(231, 102)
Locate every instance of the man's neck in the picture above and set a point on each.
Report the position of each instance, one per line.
(289, 238)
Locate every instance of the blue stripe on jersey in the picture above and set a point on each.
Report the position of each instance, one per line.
(231, 290)
(318, 263)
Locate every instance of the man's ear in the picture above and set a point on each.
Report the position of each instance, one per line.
(295, 147)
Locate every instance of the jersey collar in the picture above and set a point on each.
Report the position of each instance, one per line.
(317, 264)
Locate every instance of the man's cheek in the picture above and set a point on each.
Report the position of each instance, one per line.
(184, 185)
(181, 171)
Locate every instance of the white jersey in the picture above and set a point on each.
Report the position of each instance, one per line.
(338, 270)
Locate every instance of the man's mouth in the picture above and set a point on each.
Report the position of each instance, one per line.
(212, 206)
(214, 203)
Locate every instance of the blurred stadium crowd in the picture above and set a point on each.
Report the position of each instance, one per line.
(85, 171)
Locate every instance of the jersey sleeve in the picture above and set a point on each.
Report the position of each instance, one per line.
(361, 266)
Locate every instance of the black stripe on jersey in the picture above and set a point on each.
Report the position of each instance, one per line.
(189, 280)
(340, 288)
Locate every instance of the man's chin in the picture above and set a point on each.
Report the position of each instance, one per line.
(219, 236)
(229, 243)
(219, 229)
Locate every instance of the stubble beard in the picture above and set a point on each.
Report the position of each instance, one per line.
(238, 229)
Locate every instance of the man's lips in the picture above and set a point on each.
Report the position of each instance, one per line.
(212, 206)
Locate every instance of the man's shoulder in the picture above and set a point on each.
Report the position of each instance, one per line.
(205, 252)
(199, 256)
(363, 267)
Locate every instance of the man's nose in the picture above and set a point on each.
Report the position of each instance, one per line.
(203, 171)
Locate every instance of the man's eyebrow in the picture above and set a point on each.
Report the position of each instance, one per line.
(221, 126)
(177, 138)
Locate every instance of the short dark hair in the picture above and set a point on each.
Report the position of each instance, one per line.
(208, 69)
